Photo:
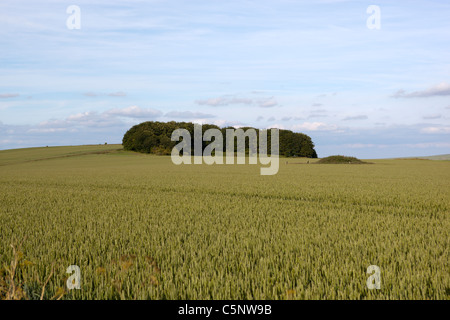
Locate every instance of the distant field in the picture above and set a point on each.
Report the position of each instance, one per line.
(438, 157)
(15, 156)
(140, 227)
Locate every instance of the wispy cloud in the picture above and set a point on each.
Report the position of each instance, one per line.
(117, 94)
(359, 117)
(47, 130)
(135, 112)
(428, 145)
(432, 116)
(224, 101)
(317, 115)
(408, 145)
(436, 130)
(188, 115)
(112, 94)
(84, 120)
(323, 95)
(314, 126)
(267, 103)
(8, 95)
(442, 89)
(227, 100)
(91, 119)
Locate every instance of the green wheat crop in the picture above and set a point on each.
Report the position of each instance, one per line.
(140, 227)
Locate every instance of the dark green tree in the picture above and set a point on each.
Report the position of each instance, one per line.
(155, 137)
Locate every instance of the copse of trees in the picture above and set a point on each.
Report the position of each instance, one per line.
(155, 137)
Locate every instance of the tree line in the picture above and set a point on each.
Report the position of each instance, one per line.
(155, 137)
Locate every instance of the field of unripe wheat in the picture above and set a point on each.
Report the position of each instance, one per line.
(140, 227)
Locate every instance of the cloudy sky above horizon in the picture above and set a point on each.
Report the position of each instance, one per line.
(307, 66)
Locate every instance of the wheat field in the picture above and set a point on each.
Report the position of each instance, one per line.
(140, 227)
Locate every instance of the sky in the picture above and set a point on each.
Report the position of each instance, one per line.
(358, 84)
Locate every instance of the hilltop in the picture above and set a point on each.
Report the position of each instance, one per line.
(340, 160)
(14, 156)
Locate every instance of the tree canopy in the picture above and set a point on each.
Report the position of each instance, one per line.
(155, 137)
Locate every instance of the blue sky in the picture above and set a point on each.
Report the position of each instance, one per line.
(308, 66)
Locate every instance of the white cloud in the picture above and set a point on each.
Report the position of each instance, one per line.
(317, 115)
(47, 130)
(315, 126)
(359, 117)
(408, 145)
(267, 103)
(86, 119)
(112, 94)
(435, 130)
(135, 112)
(9, 95)
(117, 94)
(95, 120)
(188, 115)
(81, 116)
(432, 116)
(429, 145)
(226, 100)
(442, 89)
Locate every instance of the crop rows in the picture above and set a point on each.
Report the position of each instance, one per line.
(140, 227)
